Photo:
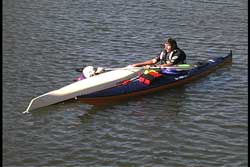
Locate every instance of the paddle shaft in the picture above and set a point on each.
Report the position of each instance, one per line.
(131, 68)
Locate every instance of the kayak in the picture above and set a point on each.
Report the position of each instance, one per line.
(135, 87)
(123, 83)
(82, 87)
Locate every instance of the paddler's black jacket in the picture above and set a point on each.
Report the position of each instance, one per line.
(177, 56)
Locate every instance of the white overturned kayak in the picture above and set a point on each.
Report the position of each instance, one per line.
(86, 86)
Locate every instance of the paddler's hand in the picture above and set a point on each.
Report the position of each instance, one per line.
(146, 67)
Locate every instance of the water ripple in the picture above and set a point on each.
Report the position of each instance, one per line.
(203, 123)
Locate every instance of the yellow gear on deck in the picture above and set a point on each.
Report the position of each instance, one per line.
(148, 71)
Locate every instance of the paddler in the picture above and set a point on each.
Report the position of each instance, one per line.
(170, 55)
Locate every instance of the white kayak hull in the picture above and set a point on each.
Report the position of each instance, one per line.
(86, 86)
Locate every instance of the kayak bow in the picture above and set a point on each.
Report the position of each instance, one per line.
(86, 86)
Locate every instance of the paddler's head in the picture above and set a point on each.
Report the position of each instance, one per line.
(170, 45)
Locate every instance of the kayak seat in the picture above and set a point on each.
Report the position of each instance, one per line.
(173, 72)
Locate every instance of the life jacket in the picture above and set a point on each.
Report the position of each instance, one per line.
(176, 56)
(148, 76)
(163, 57)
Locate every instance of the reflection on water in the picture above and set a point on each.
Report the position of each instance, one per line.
(172, 98)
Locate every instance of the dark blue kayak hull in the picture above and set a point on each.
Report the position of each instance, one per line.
(136, 88)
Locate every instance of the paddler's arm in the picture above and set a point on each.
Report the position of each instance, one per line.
(149, 62)
(166, 64)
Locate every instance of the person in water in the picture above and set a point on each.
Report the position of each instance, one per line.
(170, 55)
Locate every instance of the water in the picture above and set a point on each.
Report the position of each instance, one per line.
(203, 123)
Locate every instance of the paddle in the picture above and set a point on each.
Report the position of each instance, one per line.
(180, 67)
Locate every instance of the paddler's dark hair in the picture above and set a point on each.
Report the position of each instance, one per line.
(172, 42)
